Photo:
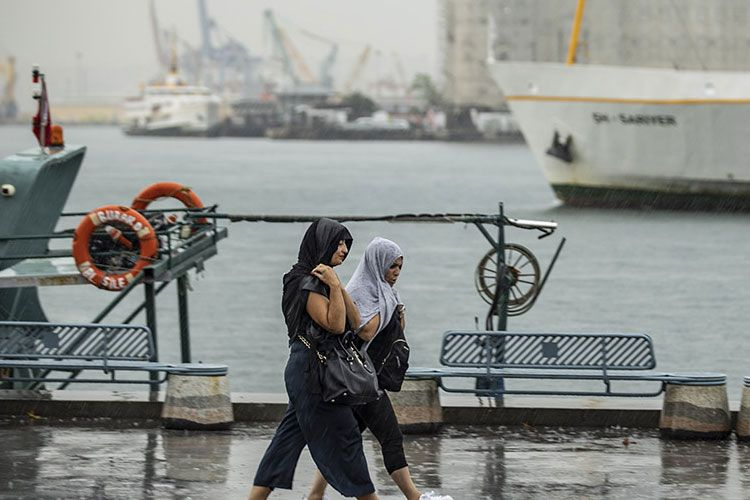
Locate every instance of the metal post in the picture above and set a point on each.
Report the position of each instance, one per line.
(498, 384)
(502, 302)
(182, 302)
(150, 301)
(496, 349)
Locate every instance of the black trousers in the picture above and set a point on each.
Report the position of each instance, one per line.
(330, 432)
(380, 418)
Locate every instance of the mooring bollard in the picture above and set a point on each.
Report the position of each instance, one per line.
(696, 407)
(743, 418)
(417, 406)
(197, 402)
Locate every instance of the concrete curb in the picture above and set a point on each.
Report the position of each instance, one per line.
(564, 412)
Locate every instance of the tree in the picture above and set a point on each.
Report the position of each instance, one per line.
(359, 104)
(425, 87)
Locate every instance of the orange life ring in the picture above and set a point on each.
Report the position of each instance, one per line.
(106, 218)
(168, 190)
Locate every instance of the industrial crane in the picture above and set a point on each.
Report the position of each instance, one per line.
(8, 107)
(359, 66)
(160, 38)
(165, 42)
(395, 84)
(282, 48)
(223, 62)
(235, 65)
(325, 74)
(293, 64)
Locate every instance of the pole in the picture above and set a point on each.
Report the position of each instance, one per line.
(182, 302)
(502, 289)
(575, 32)
(148, 288)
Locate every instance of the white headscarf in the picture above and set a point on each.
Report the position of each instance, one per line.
(368, 288)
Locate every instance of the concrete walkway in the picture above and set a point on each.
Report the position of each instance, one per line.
(44, 458)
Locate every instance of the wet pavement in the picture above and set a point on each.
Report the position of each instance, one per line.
(137, 459)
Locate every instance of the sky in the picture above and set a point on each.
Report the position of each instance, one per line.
(103, 49)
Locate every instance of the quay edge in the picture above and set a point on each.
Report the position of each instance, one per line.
(69, 406)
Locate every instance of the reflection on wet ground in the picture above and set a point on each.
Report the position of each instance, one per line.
(116, 460)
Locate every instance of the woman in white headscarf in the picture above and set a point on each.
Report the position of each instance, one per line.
(382, 327)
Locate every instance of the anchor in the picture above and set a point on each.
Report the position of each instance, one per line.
(560, 149)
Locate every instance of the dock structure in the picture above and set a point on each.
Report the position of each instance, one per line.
(480, 462)
(529, 448)
(457, 410)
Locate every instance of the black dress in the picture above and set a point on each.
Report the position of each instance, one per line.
(379, 416)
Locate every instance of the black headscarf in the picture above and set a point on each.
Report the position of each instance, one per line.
(318, 246)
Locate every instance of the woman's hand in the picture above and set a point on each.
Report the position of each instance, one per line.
(327, 275)
(401, 315)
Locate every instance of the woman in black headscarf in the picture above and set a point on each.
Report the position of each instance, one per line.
(313, 293)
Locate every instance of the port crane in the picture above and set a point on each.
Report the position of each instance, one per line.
(294, 67)
(359, 67)
(237, 68)
(393, 82)
(165, 41)
(325, 73)
(221, 62)
(8, 107)
(283, 49)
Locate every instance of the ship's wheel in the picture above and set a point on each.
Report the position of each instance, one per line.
(522, 273)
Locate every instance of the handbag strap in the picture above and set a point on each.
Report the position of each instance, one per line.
(307, 344)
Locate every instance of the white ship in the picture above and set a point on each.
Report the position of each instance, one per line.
(619, 136)
(635, 137)
(172, 108)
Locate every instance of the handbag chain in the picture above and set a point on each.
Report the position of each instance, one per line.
(321, 358)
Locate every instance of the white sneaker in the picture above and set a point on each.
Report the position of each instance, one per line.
(325, 497)
(431, 495)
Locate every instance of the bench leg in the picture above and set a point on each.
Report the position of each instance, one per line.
(695, 412)
(743, 417)
(417, 406)
(197, 402)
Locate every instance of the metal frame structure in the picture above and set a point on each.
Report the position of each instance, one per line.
(177, 255)
(499, 307)
(499, 220)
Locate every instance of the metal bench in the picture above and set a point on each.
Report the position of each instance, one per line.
(495, 357)
(29, 351)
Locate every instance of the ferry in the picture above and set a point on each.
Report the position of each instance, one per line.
(173, 108)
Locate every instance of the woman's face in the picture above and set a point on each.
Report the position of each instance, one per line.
(393, 272)
(340, 254)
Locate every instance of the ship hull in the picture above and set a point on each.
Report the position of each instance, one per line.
(576, 195)
(173, 131)
(635, 137)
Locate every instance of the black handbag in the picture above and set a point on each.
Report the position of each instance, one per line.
(390, 353)
(344, 373)
(392, 370)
